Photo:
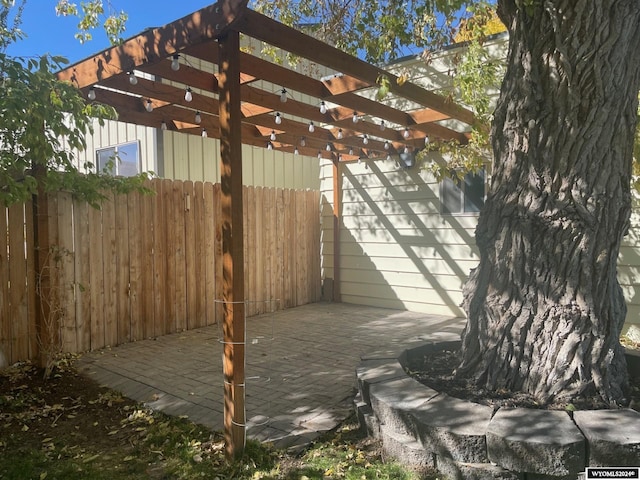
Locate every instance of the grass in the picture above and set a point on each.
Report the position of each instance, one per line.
(68, 427)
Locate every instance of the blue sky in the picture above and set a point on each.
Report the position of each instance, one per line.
(47, 33)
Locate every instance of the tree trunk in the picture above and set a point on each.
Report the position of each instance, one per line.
(545, 309)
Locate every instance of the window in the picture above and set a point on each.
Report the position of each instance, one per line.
(120, 160)
(463, 196)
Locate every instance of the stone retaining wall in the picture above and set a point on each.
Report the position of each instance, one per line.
(424, 428)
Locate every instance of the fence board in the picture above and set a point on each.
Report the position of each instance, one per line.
(17, 281)
(109, 269)
(189, 202)
(31, 276)
(199, 265)
(5, 319)
(136, 294)
(145, 266)
(146, 292)
(96, 279)
(66, 277)
(82, 271)
(122, 264)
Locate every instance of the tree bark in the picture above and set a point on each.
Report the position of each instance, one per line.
(544, 306)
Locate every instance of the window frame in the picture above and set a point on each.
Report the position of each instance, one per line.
(119, 161)
(459, 190)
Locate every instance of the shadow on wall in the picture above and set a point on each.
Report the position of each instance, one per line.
(397, 250)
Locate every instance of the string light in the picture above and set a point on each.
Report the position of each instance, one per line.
(303, 142)
(365, 139)
(312, 127)
(283, 95)
(175, 63)
(359, 160)
(204, 133)
(133, 80)
(269, 146)
(355, 117)
(386, 145)
(278, 118)
(388, 158)
(188, 95)
(319, 154)
(382, 125)
(351, 151)
(198, 117)
(163, 125)
(426, 140)
(296, 151)
(92, 93)
(149, 106)
(340, 134)
(406, 150)
(272, 137)
(405, 134)
(323, 107)
(328, 147)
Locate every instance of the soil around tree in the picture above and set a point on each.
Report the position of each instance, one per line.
(436, 370)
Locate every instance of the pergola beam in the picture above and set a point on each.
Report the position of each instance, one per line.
(156, 44)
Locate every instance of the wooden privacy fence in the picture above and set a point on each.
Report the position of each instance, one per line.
(149, 265)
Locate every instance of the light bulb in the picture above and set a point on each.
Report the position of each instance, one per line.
(328, 147)
(312, 127)
(283, 95)
(204, 133)
(351, 151)
(426, 140)
(272, 137)
(175, 63)
(323, 107)
(355, 117)
(278, 118)
(188, 95)
(163, 125)
(198, 117)
(406, 150)
(365, 139)
(405, 134)
(340, 134)
(303, 142)
(359, 160)
(92, 93)
(269, 146)
(386, 145)
(388, 157)
(319, 154)
(382, 125)
(149, 106)
(296, 151)
(133, 80)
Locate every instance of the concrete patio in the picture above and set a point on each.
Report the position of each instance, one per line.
(300, 367)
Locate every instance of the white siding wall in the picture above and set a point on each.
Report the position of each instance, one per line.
(189, 157)
(396, 250)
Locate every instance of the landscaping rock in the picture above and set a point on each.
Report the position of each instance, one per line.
(613, 436)
(536, 441)
(454, 428)
(473, 471)
(374, 371)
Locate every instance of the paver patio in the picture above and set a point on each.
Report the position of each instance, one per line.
(300, 367)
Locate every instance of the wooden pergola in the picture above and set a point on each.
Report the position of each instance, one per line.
(147, 78)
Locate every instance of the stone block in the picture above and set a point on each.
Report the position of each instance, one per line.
(454, 428)
(473, 471)
(394, 401)
(536, 441)
(613, 436)
(374, 371)
(406, 450)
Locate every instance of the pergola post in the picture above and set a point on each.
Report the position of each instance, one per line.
(232, 244)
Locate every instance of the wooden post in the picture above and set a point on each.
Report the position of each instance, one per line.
(337, 211)
(232, 244)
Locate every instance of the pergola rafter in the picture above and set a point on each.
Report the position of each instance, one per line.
(237, 97)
